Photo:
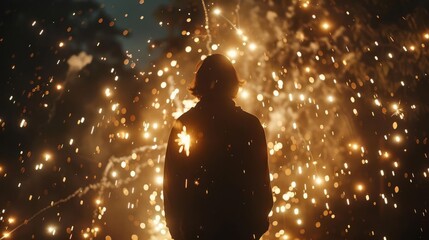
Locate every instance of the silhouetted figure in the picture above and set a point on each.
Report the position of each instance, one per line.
(220, 188)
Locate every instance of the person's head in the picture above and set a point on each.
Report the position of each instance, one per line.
(215, 77)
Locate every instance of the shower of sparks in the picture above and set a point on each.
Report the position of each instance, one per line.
(340, 123)
(184, 141)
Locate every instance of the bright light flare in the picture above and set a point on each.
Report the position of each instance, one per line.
(6, 235)
(107, 92)
(11, 220)
(252, 47)
(217, 11)
(325, 25)
(360, 187)
(51, 230)
(232, 53)
(244, 94)
(47, 156)
(184, 141)
(397, 138)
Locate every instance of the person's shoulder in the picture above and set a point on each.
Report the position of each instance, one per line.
(187, 115)
(248, 117)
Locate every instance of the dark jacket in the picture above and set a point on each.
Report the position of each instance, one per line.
(222, 189)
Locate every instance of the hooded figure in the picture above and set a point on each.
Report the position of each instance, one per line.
(216, 177)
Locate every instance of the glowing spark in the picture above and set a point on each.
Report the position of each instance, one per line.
(325, 26)
(115, 106)
(232, 53)
(107, 92)
(252, 47)
(47, 156)
(159, 180)
(306, 4)
(244, 94)
(426, 36)
(184, 141)
(23, 123)
(217, 11)
(397, 111)
(11, 220)
(6, 235)
(51, 230)
(207, 27)
(359, 187)
(397, 138)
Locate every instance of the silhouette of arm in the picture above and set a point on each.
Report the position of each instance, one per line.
(170, 184)
(262, 196)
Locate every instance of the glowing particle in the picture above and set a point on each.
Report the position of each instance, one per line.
(252, 47)
(51, 230)
(377, 102)
(214, 47)
(318, 180)
(305, 4)
(426, 35)
(6, 235)
(244, 94)
(23, 123)
(260, 97)
(184, 141)
(232, 53)
(217, 11)
(47, 156)
(159, 180)
(61, 44)
(396, 189)
(325, 25)
(107, 92)
(188, 49)
(115, 106)
(11, 220)
(397, 138)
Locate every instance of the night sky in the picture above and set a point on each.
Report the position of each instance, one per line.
(90, 89)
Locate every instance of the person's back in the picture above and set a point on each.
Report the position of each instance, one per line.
(218, 188)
